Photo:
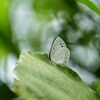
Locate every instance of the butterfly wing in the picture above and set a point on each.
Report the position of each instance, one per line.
(56, 45)
(61, 56)
(59, 53)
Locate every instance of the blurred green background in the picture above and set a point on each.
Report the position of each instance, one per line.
(31, 25)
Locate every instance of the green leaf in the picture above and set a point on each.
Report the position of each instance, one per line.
(96, 86)
(38, 79)
(49, 7)
(7, 44)
(91, 5)
(6, 93)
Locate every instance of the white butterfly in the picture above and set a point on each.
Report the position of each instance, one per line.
(59, 53)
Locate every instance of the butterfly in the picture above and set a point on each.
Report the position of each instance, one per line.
(59, 53)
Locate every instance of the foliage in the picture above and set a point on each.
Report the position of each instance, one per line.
(6, 93)
(31, 25)
(40, 80)
(91, 5)
(96, 86)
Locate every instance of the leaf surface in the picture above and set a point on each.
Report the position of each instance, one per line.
(40, 80)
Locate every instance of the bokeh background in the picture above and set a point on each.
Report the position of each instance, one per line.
(31, 25)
